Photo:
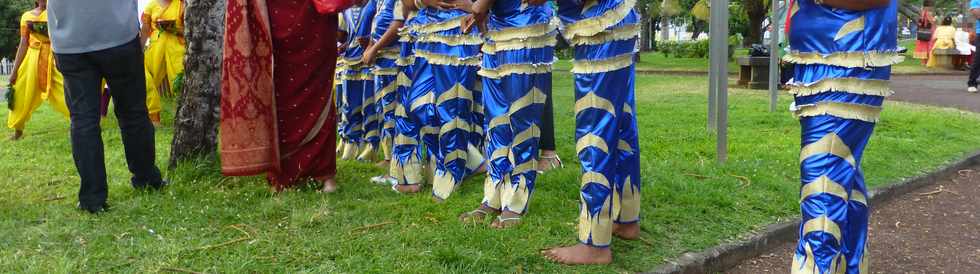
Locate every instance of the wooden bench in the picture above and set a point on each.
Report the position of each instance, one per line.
(753, 72)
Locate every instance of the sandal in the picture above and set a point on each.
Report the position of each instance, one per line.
(384, 180)
(502, 222)
(474, 216)
(553, 161)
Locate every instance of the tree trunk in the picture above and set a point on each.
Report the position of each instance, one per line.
(664, 28)
(645, 33)
(757, 12)
(196, 121)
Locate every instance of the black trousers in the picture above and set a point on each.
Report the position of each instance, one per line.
(975, 68)
(122, 68)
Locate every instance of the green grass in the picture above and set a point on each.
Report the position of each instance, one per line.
(656, 61)
(690, 202)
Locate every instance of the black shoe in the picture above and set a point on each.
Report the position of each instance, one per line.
(93, 209)
(158, 186)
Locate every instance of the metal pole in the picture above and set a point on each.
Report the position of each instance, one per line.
(719, 61)
(773, 55)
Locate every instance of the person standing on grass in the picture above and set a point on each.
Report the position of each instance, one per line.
(518, 53)
(95, 40)
(163, 26)
(34, 78)
(382, 54)
(975, 67)
(361, 131)
(603, 34)
(277, 110)
(843, 51)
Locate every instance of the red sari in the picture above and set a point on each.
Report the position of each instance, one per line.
(278, 119)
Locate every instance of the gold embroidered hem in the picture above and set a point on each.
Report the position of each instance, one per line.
(439, 59)
(846, 59)
(597, 24)
(847, 111)
(450, 40)
(437, 27)
(548, 40)
(531, 31)
(602, 65)
(508, 69)
(849, 85)
(618, 34)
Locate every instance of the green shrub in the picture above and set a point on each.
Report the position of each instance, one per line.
(694, 49)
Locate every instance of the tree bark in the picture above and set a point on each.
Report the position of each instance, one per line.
(757, 12)
(196, 121)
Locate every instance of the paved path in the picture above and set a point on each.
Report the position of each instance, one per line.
(932, 230)
(935, 229)
(937, 90)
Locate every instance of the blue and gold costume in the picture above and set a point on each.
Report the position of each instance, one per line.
(385, 75)
(445, 97)
(843, 63)
(604, 33)
(357, 89)
(517, 58)
(407, 152)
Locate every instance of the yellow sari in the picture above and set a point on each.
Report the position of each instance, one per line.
(944, 38)
(165, 54)
(37, 78)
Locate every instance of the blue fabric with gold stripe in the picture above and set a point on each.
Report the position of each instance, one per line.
(604, 33)
(385, 76)
(446, 63)
(517, 57)
(408, 151)
(357, 89)
(843, 61)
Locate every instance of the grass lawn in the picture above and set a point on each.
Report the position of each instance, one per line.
(207, 223)
(656, 61)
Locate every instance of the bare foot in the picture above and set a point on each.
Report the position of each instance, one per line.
(578, 254)
(627, 231)
(477, 215)
(406, 189)
(506, 219)
(329, 186)
(18, 134)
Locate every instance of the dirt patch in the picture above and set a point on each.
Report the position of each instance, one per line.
(935, 229)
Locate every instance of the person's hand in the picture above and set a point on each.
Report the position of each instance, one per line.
(480, 21)
(363, 41)
(464, 5)
(13, 78)
(341, 49)
(369, 55)
(536, 2)
(439, 4)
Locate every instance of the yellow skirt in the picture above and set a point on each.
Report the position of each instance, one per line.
(37, 80)
(164, 59)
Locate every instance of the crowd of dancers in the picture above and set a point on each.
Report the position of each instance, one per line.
(439, 90)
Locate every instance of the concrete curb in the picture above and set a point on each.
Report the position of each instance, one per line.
(723, 257)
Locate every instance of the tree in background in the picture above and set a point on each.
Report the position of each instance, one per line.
(10, 11)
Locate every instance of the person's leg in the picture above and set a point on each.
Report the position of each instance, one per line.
(975, 68)
(525, 120)
(82, 85)
(123, 68)
(454, 108)
(387, 89)
(833, 196)
(372, 122)
(628, 180)
(406, 164)
(549, 155)
(152, 100)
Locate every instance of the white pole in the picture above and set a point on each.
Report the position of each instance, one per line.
(773, 55)
(719, 74)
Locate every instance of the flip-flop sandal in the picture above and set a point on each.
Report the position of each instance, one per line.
(501, 222)
(554, 161)
(384, 180)
(466, 217)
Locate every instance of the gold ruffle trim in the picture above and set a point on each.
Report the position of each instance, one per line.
(531, 31)
(437, 27)
(385, 71)
(846, 59)
(451, 40)
(405, 61)
(357, 77)
(604, 65)
(597, 24)
(439, 59)
(843, 110)
(516, 44)
(617, 34)
(849, 85)
(508, 69)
